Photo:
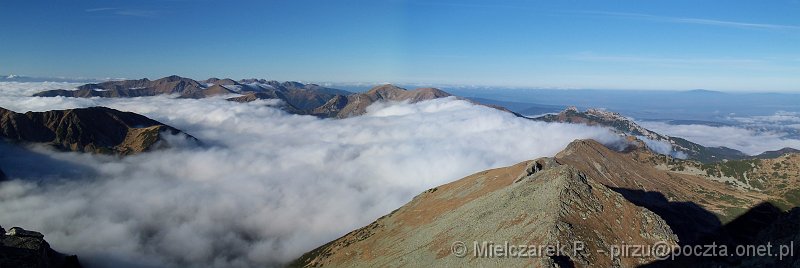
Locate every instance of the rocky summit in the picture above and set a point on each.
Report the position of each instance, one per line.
(23, 248)
(96, 130)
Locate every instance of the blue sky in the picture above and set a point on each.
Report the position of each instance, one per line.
(721, 45)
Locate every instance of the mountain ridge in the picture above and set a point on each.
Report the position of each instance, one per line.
(537, 202)
(356, 104)
(624, 125)
(502, 205)
(304, 96)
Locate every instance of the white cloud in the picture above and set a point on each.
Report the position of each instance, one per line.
(748, 141)
(779, 118)
(699, 21)
(662, 147)
(25, 89)
(268, 186)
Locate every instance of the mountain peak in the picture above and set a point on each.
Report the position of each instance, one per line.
(172, 78)
(537, 202)
(385, 88)
(95, 129)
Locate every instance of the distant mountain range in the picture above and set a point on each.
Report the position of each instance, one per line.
(296, 94)
(300, 98)
(311, 99)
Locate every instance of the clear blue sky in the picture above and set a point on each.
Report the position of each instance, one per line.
(722, 45)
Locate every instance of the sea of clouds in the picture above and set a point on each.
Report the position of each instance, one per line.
(265, 187)
(749, 140)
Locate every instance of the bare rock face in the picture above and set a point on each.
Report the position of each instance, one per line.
(23, 248)
(96, 129)
(538, 203)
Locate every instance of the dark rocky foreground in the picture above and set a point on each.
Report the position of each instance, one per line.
(23, 248)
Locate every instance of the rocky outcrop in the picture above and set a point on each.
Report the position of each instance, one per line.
(96, 129)
(356, 104)
(541, 202)
(23, 248)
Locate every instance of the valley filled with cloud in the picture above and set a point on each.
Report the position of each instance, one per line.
(264, 187)
(771, 135)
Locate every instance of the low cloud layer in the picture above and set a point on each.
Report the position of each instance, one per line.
(749, 141)
(781, 121)
(267, 186)
(662, 147)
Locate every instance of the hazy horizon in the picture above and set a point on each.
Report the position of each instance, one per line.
(358, 86)
(720, 45)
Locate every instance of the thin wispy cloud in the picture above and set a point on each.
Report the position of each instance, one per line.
(663, 60)
(101, 9)
(125, 11)
(699, 21)
(138, 13)
(466, 5)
